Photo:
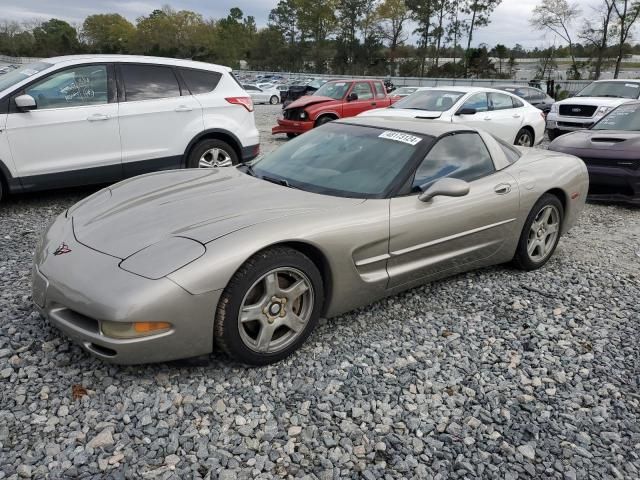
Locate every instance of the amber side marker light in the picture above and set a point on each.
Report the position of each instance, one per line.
(133, 329)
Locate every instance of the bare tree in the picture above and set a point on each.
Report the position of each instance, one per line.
(596, 33)
(393, 14)
(627, 12)
(558, 16)
(480, 11)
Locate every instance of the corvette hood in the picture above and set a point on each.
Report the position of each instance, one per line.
(402, 112)
(307, 100)
(198, 204)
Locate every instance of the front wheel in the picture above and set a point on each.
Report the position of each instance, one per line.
(323, 120)
(273, 100)
(524, 138)
(211, 153)
(540, 234)
(270, 306)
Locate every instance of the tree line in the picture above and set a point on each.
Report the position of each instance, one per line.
(381, 37)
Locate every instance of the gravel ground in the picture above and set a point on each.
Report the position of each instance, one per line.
(492, 374)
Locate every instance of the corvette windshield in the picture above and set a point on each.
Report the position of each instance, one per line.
(625, 117)
(13, 77)
(628, 89)
(429, 100)
(342, 160)
(335, 90)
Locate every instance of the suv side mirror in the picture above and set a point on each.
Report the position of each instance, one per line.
(447, 187)
(352, 97)
(466, 111)
(25, 103)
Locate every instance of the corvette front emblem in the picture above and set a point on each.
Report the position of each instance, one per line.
(62, 249)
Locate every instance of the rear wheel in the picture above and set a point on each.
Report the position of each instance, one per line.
(292, 135)
(540, 234)
(269, 307)
(212, 153)
(1, 188)
(524, 138)
(273, 100)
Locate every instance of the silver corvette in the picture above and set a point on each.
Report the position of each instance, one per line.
(172, 264)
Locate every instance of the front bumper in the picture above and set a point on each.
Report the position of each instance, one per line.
(292, 126)
(614, 184)
(78, 290)
(570, 124)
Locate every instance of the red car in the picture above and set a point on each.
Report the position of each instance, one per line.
(335, 99)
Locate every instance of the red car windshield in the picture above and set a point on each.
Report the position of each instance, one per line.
(335, 90)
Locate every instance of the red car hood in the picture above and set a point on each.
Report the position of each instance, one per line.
(310, 100)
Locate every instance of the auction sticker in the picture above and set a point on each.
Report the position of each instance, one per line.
(400, 137)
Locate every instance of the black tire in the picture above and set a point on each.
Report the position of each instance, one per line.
(1, 188)
(207, 144)
(292, 135)
(273, 100)
(522, 259)
(324, 119)
(226, 328)
(524, 138)
(553, 134)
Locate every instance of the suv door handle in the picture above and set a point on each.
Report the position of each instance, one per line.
(502, 188)
(487, 118)
(97, 117)
(183, 108)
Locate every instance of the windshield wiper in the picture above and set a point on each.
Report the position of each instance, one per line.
(278, 181)
(248, 169)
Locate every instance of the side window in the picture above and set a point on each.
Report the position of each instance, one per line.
(380, 91)
(200, 81)
(500, 101)
(517, 103)
(461, 155)
(522, 92)
(148, 82)
(74, 87)
(363, 90)
(477, 101)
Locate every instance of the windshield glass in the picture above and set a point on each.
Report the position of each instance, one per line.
(15, 76)
(430, 100)
(342, 160)
(625, 117)
(611, 89)
(405, 90)
(335, 90)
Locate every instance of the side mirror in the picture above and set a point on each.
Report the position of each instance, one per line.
(352, 97)
(447, 187)
(25, 103)
(466, 111)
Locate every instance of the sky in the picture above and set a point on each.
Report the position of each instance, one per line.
(509, 23)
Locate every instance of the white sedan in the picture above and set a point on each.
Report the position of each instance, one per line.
(506, 116)
(263, 95)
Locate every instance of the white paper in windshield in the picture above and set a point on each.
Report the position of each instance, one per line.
(631, 85)
(28, 72)
(400, 137)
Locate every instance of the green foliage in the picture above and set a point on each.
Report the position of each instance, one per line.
(55, 37)
(108, 33)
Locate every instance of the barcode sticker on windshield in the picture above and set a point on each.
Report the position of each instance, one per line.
(400, 137)
(632, 85)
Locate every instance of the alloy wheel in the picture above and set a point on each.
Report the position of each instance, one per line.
(543, 233)
(276, 310)
(524, 140)
(215, 157)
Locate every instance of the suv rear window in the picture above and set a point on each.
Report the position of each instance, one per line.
(200, 81)
(147, 82)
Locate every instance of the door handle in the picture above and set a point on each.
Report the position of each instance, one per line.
(183, 108)
(502, 188)
(516, 115)
(487, 118)
(97, 117)
(373, 104)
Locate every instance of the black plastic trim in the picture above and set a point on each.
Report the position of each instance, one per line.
(13, 184)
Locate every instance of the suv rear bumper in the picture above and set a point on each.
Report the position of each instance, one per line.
(250, 152)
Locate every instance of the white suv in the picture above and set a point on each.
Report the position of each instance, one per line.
(78, 120)
(590, 105)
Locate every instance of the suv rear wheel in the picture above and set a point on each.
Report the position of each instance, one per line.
(212, 153)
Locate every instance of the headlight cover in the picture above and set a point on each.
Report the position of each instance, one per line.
(603, 110)
(162, 258)
(554, 108)
(303, 115)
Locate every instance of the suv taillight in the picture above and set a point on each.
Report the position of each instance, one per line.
(244, 101)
